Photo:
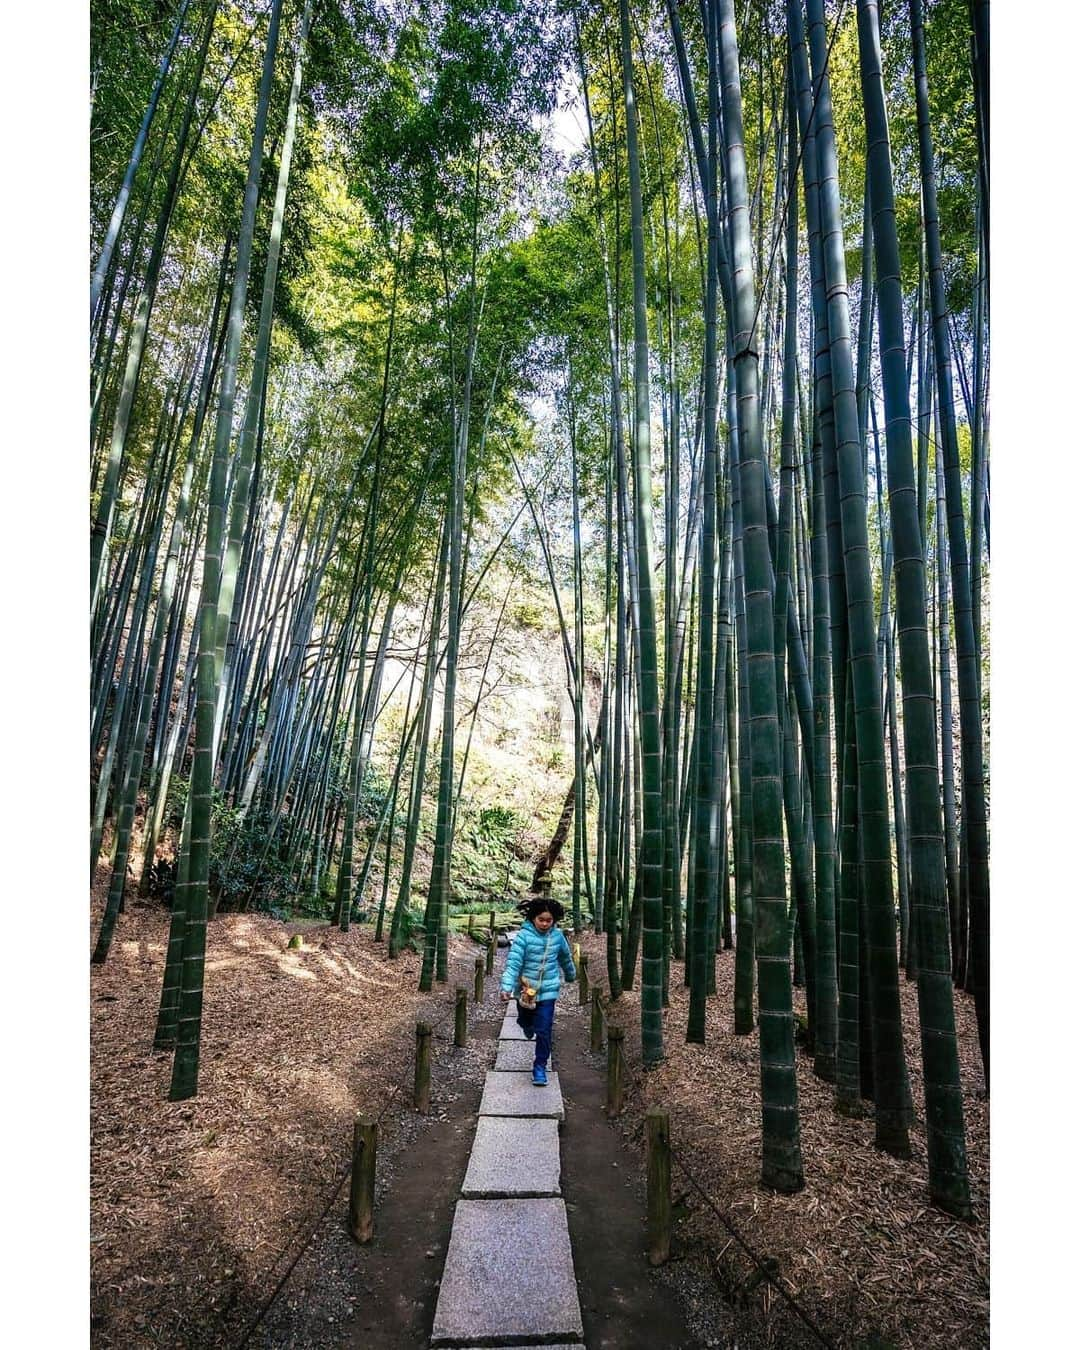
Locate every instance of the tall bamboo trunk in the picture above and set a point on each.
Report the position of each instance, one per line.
(971, 743)
(941, 1066)
(650, 865)
(890, 1078)
(186, 1063)
(781, 1153)
(706, 805)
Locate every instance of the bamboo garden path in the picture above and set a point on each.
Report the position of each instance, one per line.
(509, 1274)
(456, 460)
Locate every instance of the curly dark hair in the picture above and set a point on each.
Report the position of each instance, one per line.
(541, 904)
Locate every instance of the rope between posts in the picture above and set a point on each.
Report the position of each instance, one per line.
(268, 1304)
(761, 1265)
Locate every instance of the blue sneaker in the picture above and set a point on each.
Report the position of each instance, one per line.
(539, 1075)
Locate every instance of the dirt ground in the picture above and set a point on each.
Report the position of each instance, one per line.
(200, 1209)
(221, 1221)
(860, 1249)
(383, 1296)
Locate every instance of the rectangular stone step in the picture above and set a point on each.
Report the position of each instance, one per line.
(510, 1031)
(515, 1094)
(509, 1276)
(513, 1157)
(515, 1056)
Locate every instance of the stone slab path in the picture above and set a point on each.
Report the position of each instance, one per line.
(515, 1055)
(502, 1146)
(509, 1274)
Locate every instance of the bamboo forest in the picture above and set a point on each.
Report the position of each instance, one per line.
(539, 448)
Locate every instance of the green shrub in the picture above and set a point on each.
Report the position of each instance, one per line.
(529, 614)
(247, 869)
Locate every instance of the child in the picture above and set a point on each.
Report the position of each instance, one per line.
(536, 954)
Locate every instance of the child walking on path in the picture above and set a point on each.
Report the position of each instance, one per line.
(538, 958)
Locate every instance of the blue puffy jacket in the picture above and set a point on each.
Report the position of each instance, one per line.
(525, 956)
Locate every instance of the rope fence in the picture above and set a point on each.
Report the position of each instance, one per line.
(436, 1024)
(764, 1266)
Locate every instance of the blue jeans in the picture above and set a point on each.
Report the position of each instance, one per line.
(539, 1019)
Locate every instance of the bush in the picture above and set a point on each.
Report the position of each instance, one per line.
(492, 827)
(412, 930)
(247, 869)
(529, 614)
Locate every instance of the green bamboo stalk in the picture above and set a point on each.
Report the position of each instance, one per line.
(706, 805)
(948, 772)
(781, 1154)
(435, 961)
(802, 878)
(890, 1078)
(228, 614)
(186, 1062)
(427, 694)
(652, 846)
(745, 939)
(967, 673)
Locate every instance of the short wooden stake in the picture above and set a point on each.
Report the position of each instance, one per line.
(362, 1187)
(461, 1014)
(658, 1184)
(615, 1070)
(596, 1026)
(471, 918)
(489, 958)
(583, 980)
(478, 981)
(422, 1079)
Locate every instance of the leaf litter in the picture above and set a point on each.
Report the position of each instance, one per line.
(196, 1207)
(861, 1248)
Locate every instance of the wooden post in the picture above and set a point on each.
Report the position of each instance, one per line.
(362, 1186)
(471, 918)
(489, 958)
(461, 1014)
(422, 1079)
(583, 980)
(614, 1070)
(596, 1026)
(478, 981)
(658, 1184)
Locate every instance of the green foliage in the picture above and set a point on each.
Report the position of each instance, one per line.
(412, 929)
(374, 790)
(531, 614)
(489, 858)
(247, 867)
(127, 40)
(493, 828)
